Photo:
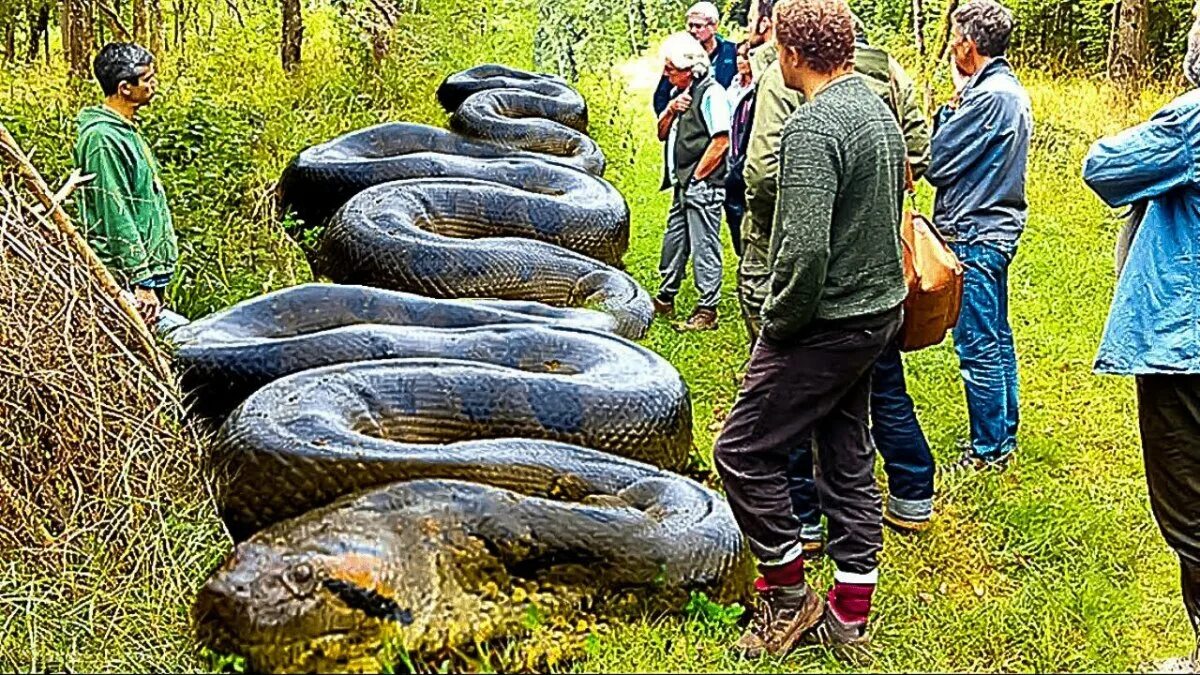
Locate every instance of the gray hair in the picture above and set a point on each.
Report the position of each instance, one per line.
(685, 53)
(988, 24)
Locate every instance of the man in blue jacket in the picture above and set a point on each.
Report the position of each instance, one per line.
(979, 153)
(702, 23)
(1151, 329)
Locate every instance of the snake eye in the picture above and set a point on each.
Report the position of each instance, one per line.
(302, 573)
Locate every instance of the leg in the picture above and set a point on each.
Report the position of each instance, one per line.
(735, 210)
(676, 248)
(753, 276)
(846, 483)
(703, 209)
(777, 411)
(907, 459)
(802, 488)
(1008, 349)
(977, 341)
(1169, 420)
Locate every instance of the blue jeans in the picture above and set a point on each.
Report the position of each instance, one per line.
(984, 341)
(907, 460)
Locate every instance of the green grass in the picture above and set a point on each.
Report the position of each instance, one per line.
(1053, 565)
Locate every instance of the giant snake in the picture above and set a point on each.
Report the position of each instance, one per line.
(410, 472)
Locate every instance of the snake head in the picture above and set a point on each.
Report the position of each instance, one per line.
(306, 606)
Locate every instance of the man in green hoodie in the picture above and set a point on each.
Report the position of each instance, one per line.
(124, 208)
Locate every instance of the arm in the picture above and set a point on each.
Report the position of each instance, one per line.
(800, 237)
(715, 111)
(713, 155)
(912, 121)
(112, 199)
(772, 107)
(1143, 162)
(962, 136)
(662, 96)
(664, 123)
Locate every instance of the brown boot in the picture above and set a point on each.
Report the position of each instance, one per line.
(663, 307)
(701, 319)
(783, 616)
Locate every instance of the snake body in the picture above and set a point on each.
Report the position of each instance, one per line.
(493, 209)
(393, 465)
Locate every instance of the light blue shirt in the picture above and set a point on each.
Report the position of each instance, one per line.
(1153, 326)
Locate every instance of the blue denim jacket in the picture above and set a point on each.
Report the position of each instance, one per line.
(979, 153)
(1154, 324)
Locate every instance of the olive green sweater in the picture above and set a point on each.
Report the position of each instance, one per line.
(835, 243)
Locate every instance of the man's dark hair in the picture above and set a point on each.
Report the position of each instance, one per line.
(765, 7)
(822, 31)
(120, 62)
(986, 22)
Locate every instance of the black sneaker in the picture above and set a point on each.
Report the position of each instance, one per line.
(783, 616)
(969, 461)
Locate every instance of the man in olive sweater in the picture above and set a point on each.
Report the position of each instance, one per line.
(834, 304)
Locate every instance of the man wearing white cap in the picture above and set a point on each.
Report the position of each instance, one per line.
(702, 22)
(695, 130)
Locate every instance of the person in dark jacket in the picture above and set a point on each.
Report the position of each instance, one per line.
(1151, 327)
(978, 158)
(702, 22)
(833, 306)
(741, 98)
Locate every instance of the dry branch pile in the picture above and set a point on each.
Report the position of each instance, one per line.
(102, 505)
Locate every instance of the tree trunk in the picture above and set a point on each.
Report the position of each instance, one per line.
(918, 9)
(139, 21)
(1127, 43)
(293, 34)
(39, 26)
(80, 37)
(154, 26)
(10, 41)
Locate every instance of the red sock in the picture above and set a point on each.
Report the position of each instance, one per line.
(787, 574)
(851, 602)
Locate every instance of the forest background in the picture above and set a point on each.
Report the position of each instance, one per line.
(1055, 565)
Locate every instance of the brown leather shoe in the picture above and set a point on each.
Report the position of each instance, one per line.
(783, 616)
(701, 319)
(663, 307)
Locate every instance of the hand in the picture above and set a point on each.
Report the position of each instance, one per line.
(957, 76)
(680, 103)
(147, 304)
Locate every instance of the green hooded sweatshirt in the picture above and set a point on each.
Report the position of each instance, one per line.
(124, 209)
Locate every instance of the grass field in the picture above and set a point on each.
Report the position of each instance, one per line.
(1053, 565)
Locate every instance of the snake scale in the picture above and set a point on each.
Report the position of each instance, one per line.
(403, 471)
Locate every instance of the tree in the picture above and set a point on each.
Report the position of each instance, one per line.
(78, 36)
(293, 34)
(1127, 43)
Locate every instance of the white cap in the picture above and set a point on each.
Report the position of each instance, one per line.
(685, 53)
(705, 9)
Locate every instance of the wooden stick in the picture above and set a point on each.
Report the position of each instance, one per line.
(12, 154)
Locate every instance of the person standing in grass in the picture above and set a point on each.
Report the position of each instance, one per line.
(979, 155)
(124, 207)
(1151, 328)
(694, 129)
(703, 20)
(741, 99)
(907, 457)
(836, 290)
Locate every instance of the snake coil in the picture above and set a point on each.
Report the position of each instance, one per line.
(391, 463)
